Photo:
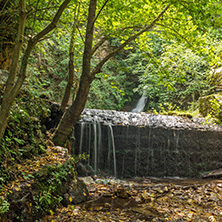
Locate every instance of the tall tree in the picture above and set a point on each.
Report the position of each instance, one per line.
(72, 114)
(14, 85)
(69, 84)
(130, 20)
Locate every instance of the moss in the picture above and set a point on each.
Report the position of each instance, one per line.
(211, 106)
(180, 113)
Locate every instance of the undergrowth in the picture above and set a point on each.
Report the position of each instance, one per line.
(23, 136)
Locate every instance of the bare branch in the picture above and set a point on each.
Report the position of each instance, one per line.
(80, 34)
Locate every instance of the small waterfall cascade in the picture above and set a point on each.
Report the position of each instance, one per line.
(81, 137)
(129, 144)
(95, 147)
(89, 143)
(113, 150)
(102, 153)
(97, 143)
(140, 104)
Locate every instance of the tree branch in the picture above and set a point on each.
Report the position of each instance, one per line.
(53, 24)
(81, 36)
(12, 87)
(35, 16)
(98, 67)
(175, 32)
(100, 11)
(4, 7)
(99, 43)
(104, 38)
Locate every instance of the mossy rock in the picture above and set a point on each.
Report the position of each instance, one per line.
(53, 185)
(77, 193)
(57, 184)
(216, 78)
(211, 105)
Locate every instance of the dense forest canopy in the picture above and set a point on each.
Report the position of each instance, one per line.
(109, 52)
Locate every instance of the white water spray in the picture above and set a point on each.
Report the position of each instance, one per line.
(114, 149)
(95, 147)
(81, 136)
(89, 144)
(141, 104)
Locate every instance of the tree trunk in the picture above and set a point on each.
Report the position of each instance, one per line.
(68, 89)
(72, 114)
(17, 49)
(7, 99)
(69, 84)
(12, 89)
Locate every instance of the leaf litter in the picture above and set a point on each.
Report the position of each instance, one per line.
(141, 199)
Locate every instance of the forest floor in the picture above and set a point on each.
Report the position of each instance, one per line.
(136, 200)
(147, 200)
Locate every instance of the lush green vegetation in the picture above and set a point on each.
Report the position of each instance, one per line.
(172, 62)
(116, 51)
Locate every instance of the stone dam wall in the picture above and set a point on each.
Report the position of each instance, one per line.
(143, 145)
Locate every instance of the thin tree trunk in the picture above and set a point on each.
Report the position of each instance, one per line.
(69, 85)
(66, 96)
(12, 89)
(7, 100)
(72, 114)
(17, 49)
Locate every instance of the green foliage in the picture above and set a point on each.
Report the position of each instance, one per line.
(23, 137)
(50, 186)
(210, 107)
(113, 88)
(109, 91)
(4, 206)
(49, 66)
(178, 76)
(168, 72)
(24, 124)
(170, 109)
(216, 108)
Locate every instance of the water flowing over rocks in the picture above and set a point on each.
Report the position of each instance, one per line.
(127, 144)
(143, 119)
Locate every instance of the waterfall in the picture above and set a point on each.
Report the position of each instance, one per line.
(89, 144)
(114, 148)
(141, 104)
(147, 144)
(176, 137)
(97, 143)
(137, 152)
(81, 136)
(95, 146)
(109, 150)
